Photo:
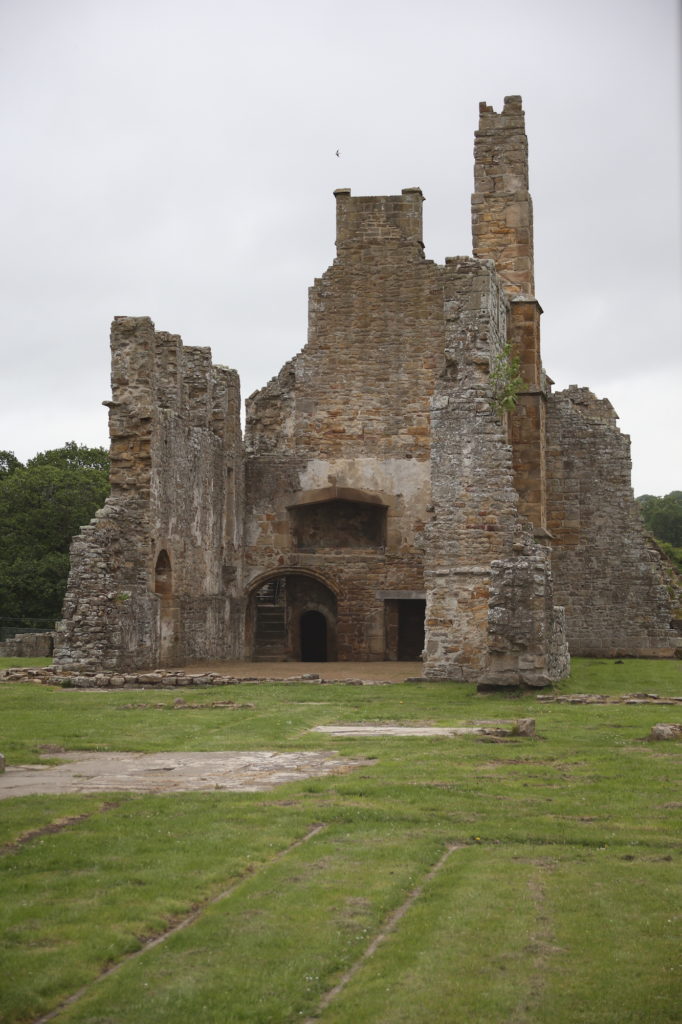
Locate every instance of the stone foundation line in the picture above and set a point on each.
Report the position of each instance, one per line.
(180, 926)
(163, 679)
(390, 926)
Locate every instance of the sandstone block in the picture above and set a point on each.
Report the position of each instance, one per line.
(666, 731)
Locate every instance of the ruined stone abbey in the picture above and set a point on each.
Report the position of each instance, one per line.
(395, 495)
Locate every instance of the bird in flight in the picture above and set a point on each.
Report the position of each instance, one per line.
(337, 153)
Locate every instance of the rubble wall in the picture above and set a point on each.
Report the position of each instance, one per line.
(607, 573)
(154, 574)
(490, 613)
(28, 645)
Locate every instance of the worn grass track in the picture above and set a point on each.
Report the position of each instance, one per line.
(453, 880)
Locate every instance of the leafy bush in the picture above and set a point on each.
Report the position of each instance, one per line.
(506, 381)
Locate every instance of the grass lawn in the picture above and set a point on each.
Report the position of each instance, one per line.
(521, 881)
(24, 662)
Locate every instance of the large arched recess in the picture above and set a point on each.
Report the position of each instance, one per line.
(278, 602)
(337, 518)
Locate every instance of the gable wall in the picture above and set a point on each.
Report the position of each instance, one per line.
(352, 411)
(175, 487)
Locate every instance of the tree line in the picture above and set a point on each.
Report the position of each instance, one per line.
(43, 504)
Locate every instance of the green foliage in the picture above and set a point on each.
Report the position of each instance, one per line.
(8, 463)
(24, 662)
(73, 456)
(506, 380)
(671, 552)
(42, 506)
(663, 516)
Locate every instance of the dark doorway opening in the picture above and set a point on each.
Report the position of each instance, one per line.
(411, 616)
(313, 636)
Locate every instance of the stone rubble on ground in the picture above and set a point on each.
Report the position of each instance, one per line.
(666, 731)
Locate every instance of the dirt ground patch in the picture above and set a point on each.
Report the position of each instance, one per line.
(369, 671)
(249, 771)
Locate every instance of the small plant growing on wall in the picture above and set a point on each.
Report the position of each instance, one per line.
(506, 381)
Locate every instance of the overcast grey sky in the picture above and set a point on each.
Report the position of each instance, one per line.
(176, 159)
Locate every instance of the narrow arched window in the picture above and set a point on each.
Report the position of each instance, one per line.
(163, 575)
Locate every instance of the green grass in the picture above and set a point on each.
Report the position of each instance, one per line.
(24, 662)
(558, 903)
(626, 675)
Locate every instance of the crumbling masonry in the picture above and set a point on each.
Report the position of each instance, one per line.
(383, 503)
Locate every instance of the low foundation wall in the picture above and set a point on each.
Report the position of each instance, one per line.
(28, 645)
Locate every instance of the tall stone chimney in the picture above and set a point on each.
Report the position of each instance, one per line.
(502, 229)
(501, 207)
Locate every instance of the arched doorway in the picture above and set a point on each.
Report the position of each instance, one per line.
(292, 617)
(313, 629)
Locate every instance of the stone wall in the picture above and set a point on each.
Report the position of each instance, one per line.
(489, 615)
(28, 645)
(154, 576)
(608, 574)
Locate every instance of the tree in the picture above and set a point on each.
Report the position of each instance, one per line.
(42, 506)
(663, 516)
(72, 456)
(8, 463)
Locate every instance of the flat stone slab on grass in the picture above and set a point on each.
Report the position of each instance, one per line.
(246, 771)
(517, 727)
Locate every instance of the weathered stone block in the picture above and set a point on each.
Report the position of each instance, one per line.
(666, 731)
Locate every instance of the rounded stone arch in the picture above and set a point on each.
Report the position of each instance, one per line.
(278, 600)
(265, 577)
